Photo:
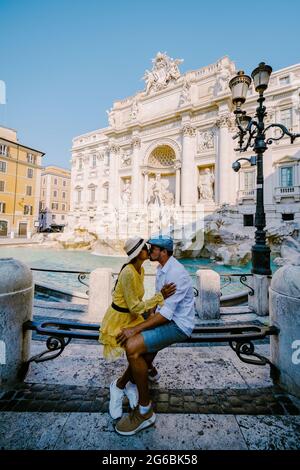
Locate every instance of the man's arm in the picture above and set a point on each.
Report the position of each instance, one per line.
(183, 284)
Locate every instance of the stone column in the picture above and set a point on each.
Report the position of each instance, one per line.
(135, 193)
(100, 289)
(16, 296)
(146, 174)
(208, 299)
(114, 150)
(225, 156)
(177, 187)
(188, 180)
(285, 315)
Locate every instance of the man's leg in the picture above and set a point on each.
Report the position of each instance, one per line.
(126, 377)
(135, 350)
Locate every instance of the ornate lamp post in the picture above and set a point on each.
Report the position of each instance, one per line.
(252, 134)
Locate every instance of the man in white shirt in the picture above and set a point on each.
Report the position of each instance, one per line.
(171, 323)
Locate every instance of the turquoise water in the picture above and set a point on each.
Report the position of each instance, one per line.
(73, 260)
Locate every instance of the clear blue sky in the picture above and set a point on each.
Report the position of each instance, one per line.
(64, 62)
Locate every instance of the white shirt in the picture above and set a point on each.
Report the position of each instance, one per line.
(179, 307)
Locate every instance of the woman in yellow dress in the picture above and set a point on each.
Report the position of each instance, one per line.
(127, 311)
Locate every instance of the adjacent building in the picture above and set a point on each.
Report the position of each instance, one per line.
(20, 177)
(172, 145)
(55, 197)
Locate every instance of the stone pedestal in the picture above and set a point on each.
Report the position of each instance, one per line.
(259, 302)
(100, 288)
(208, 300)
(285, 314)
(16, 297)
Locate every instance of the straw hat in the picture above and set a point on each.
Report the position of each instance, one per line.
(134, 246)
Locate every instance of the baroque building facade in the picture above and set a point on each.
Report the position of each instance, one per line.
(171, 145)
(20, 180)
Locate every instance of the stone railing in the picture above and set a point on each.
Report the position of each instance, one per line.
(246, 194)
(287, 191)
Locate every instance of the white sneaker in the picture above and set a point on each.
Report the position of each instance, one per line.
(116, 400)
(132, 393)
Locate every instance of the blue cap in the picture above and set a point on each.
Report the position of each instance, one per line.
(162, 241)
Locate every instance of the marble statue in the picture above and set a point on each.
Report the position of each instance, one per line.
(134, 110)
(126, 192)
(158, 193)
(222, 80)
(111, 118)
(206, 185)
(185, 96)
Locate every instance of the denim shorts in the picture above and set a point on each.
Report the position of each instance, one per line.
(162, 336)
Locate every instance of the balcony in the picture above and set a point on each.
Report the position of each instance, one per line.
(282, 192)
(246, 194)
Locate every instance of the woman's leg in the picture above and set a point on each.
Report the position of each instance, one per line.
(126, 377)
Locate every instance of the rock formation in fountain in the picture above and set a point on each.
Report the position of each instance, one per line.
(223, 239)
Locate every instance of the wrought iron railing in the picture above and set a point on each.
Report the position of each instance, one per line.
(226, 278)
(242, 279)
(81, 274)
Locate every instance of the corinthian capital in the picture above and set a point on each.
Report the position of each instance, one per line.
(114, 148)
(136, 142)
(225, 120)
(189, 130)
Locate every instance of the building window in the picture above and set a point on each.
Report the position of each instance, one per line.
(31, 158)
(94, 161)
(2, 207)
(286, 176)
(62, 217)
(63, 207)
(3, 167)
(80, 164)
(1, 186)
(54, 193)
(55, 181)
(28, 190)
(92, 194)
(54, 205)
(106, 159)
(27, 210)
(64, 182)
(248, 220)
(286, 117)
(64, 195)
(53, 216)
(249, 180)
(287, 216)
(79, 196)
(284, 80)
(3, 150)
(29, 173)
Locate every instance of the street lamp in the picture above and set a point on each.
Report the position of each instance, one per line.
(252, 134)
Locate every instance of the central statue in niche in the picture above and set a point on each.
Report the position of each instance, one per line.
(158, 193)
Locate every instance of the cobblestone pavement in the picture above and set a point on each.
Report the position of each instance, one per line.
(72, 398)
